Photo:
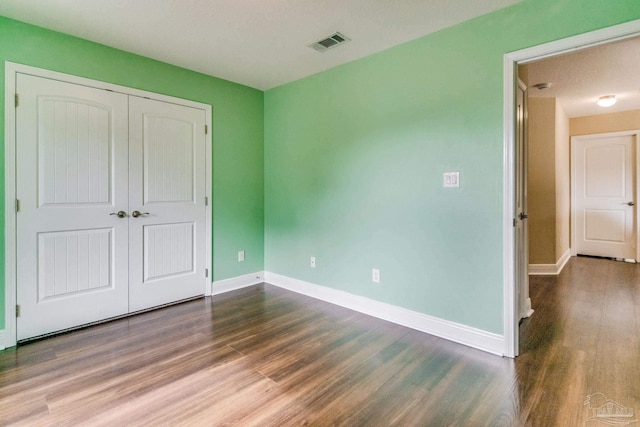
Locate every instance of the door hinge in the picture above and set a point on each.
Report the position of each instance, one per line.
(206, 129)
(206, 272)
(17, 205)
(16, 100)
(514, 222)
(17, 310)
(206, 201)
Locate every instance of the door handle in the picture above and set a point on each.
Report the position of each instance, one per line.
(136, 214)
(631, 203)
(120, 214)
(522, 216)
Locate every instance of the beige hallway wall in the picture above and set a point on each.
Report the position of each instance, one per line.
(603, 123)
(541, 178)
(549, 181)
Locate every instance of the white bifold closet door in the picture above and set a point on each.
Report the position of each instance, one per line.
(88, 161)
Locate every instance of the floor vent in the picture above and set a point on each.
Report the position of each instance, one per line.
(330, 42)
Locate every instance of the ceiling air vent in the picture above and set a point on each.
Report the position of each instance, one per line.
(329, 42)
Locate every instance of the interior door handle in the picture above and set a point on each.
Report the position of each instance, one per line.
(522, 216)
(120, 214)
(631, 203)
(136, 214)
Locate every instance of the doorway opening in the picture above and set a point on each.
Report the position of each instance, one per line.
(514, 262)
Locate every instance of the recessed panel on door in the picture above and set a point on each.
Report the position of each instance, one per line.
(169, 249)
(72, 262)
(72, 164)
(603, 225)
(74, 152)
(168, 160)
(605, 170)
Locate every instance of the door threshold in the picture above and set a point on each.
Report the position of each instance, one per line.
(99, 322)
(629, 260)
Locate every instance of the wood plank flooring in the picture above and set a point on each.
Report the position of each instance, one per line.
(263, 356)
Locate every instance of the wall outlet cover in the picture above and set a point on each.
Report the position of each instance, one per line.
(240, 256)
(375, 275)
(312, 262)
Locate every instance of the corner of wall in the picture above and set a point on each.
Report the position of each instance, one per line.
(550, 269)
(563, 183)
(234, 283)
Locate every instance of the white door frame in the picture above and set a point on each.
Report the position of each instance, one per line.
(11, 69)
(636, 195)
(511, 61)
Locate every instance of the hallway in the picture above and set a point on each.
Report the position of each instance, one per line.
(583, 338)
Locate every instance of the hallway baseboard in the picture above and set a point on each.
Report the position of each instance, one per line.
(550, 269)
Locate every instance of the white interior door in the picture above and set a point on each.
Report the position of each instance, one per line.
(112, 204)
(167, 186)
(521, 223)
(71, 157)
(604, 181)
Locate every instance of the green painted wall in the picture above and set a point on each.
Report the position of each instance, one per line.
(238, 131)
(346, 165)
(354, 158)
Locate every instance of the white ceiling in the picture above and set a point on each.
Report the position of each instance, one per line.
(579, 78)
(259, 43)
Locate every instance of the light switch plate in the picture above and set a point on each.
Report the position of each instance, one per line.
(451, 179)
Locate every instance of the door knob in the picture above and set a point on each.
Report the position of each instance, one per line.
(631, 203)
(120, 214)
(136, 214)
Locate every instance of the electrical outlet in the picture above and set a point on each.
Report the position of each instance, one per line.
(240, 256)
(375, 275)
(312, 262)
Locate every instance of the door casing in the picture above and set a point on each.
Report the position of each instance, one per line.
(11, 70)
(510, 79)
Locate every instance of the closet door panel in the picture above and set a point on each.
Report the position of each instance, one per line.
(167, 202)
(71, 163)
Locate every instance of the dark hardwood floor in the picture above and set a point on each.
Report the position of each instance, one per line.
(263, 356)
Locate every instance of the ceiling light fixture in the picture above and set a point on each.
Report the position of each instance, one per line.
(607, 100)
(542, 86)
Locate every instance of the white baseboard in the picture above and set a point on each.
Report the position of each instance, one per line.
(3, 343)
(239, 282)
(528, 311)
(462, 334)
(550, 269)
